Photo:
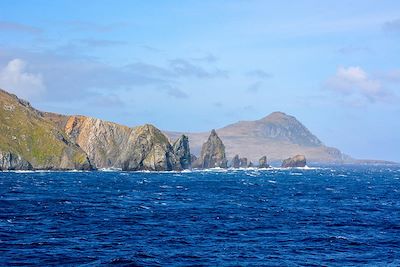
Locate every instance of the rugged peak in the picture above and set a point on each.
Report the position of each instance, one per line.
(212, 153)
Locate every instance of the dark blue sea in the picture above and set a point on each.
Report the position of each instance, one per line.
(332, 216)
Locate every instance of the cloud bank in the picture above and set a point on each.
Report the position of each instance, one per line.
(15, 78)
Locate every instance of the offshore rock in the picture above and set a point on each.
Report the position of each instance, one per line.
(212, 153)
(296, 161)
(243, 163)
(262, 162)
(235, 162)
(182, 152)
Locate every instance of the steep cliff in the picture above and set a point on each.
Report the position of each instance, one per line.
(148, 149)
(29, 141)
(110, 145)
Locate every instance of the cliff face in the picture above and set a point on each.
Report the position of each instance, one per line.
(102, 141)
(148, 149)
(110, 145)
(212, 153)
(29, 141)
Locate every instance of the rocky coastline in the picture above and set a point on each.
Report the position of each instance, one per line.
(35, 140)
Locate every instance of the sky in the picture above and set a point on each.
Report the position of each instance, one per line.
(198, 65)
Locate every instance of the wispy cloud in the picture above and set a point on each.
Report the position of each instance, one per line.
(209, 58)
(348, 50)
(99, 42)
(19, 27)
(392, 25)
(255, 87)
(354, 81)
(182, 67)
(260, 74)
(80, 25)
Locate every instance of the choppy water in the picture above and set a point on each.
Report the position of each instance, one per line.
(341, 216)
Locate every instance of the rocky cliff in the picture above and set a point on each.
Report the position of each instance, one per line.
(212, 153)
(110, 145)
(29, 141)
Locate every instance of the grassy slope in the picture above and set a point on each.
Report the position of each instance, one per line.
(24, 131)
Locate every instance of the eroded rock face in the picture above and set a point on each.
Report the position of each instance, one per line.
(147, 149)
(102, 141)
(235, 162)
(12, 161)
(182, 152)
(262, 162)
(296, 161)
(212, 153)
(110, 145)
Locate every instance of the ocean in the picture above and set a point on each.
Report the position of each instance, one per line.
(332, 216)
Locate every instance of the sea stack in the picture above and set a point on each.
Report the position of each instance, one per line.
(182, 152)
(212, 153)
(235, 162)
(262, 162)
(243, 163)
(296, 161)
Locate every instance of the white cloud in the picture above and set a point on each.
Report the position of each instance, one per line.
(354, 81)
(14, 78)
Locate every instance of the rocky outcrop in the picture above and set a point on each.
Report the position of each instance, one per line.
(262, 162)
(29, 140)
(235, 163)
(182, 152)
(11, 161)
(212, 153)
(110, 145)
(296, 161)
(243, 163)
(147, 149)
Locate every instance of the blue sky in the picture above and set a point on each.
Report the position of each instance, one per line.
(197, 65)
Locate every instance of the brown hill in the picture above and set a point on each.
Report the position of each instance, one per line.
(277, 135)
